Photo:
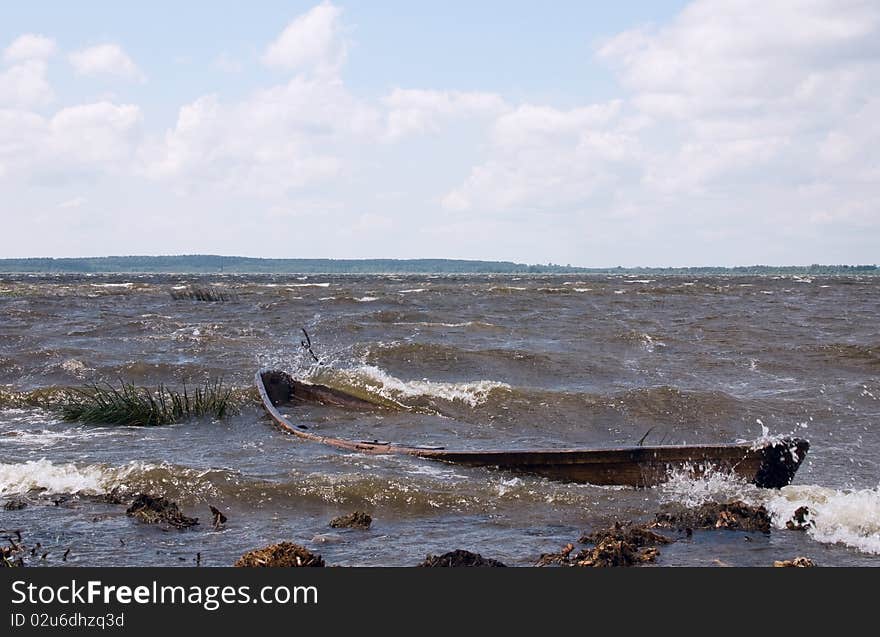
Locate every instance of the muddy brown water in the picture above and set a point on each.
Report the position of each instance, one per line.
(472, 361)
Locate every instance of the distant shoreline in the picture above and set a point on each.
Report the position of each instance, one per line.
(216, 264)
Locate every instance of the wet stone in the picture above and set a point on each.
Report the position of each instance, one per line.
(800, 521)
(356, 520)
(635, 535)
(152, 509)
(284, 554)
(733, 516)
(15, 504)
(460, 558)
(798, 562)
(620, 545)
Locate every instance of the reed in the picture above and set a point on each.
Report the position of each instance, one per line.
(207, 295)
(139, 406)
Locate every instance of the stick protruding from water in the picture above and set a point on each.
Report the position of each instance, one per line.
(307, 345)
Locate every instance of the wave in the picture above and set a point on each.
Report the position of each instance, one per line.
(413, 485)
(45, 476)
(427, 353)
(850, 517)
(48, 478)
(374, 380)
(478, 324)
(847, 352)
(648, 342)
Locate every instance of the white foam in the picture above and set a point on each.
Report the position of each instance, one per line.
(412, 291)
(437, 324)
(378, 380)
(367, 299)
(309, 285)
(19, 478)
(51, 437)
(848, 517)
(684, 488)
(650, 343)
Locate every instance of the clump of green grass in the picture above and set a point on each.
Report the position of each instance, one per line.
(139, 406)
(208, 295)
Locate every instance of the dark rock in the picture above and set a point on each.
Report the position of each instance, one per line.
(800, 521)
(459, 558)
(15, 504)
(284, 554)
(798, 562)
(152, 509)
(635, 535)
(733, 516)
(619, 545)
(113, 497)
(560, 559)
(356, 520)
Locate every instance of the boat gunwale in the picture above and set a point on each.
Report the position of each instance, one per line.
(669, 453)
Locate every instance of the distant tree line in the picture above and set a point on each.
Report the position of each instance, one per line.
(202, 263)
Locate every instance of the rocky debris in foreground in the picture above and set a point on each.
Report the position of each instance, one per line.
(798, 562)
(283, 554)
(12, 549)
(151, 509)
(801, 520)
(625, 532)
(619, 545)
(460, 557)
(15, 504)
(356, 520)
(733, 516)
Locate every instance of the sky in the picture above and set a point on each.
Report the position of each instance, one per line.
(597, 134)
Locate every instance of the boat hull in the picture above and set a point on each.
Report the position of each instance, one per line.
(771, 464)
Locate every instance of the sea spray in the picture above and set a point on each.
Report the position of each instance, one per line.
(377, 380)
(850, 517)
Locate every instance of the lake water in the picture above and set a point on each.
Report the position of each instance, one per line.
(471, 361)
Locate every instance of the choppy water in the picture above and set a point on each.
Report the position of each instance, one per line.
(475, 361)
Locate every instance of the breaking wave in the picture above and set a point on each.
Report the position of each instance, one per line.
(850, 517)
(377, 381)
(43, 475)
(48, 478)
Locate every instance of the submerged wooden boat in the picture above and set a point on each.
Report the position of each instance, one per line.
(767, 465)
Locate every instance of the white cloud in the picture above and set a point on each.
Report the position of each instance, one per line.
(420, 111)
(76, 202)
(282, 138)
(728, 57)
(91, 138)
(311, 42)
(29, 46)
(735, 120)
(105, 59)
(25, 85)
(102, 132)
(735, 114)
(547, 158)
